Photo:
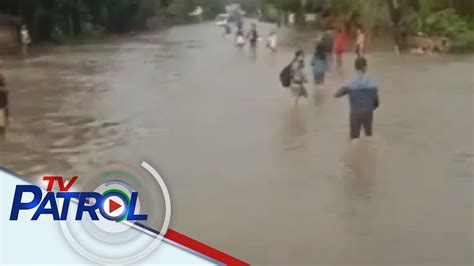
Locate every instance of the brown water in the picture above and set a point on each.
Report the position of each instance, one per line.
(248, 173)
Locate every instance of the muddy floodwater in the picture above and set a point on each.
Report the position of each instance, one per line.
(247, 172)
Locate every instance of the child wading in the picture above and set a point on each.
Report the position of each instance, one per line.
(272, 41)
(298, 78)
(3, 105)
(363, 99)
(320, 64)
(292, 76)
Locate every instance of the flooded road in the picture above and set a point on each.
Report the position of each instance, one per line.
(247, 172)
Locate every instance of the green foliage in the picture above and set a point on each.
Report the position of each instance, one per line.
(55, 19)
(442, 23)
(371, 13)
(464, 42)
(212, 7)
(445, 23)
(286, 5)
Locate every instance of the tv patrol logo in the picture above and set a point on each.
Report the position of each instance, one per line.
(113, 204)
(106, 223)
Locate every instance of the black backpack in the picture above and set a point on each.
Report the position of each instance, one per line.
(286, 75)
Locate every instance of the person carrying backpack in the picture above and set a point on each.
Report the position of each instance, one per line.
(292, 76)
(299, 77)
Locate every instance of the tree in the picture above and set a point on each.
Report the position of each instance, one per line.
(48, 19)
(286, 5)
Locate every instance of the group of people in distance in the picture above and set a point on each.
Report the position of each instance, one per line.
(362, 90)
(252, 37)
(336, 45)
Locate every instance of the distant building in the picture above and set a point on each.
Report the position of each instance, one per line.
(9, 33)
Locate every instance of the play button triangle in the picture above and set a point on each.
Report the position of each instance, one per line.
(113, 205)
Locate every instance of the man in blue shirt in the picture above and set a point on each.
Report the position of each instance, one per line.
(363, 99)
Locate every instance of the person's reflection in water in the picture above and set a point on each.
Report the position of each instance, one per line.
(294, 155)
(295, 130)
(319, 97)
(358, 188)
(359, 162)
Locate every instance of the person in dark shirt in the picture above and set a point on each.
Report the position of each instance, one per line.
(3, 105)
(252, 36)
(327, 41)
(320, 64)
(363, 99)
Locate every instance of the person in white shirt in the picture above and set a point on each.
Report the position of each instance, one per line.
(25, 40)
(298, 77)
(240, 40)
(360, 42)
(272, 41)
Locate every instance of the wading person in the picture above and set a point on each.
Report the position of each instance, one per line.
(360, 41)
(272, 41)
(363, 100)
(340, 45)
(240, 40)
(327, 42)
(298, 78)
(252, 36)
(293, 77)
(320, 64)
(3, 105)
(25, 41)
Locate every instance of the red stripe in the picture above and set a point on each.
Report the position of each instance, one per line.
(203, 249)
